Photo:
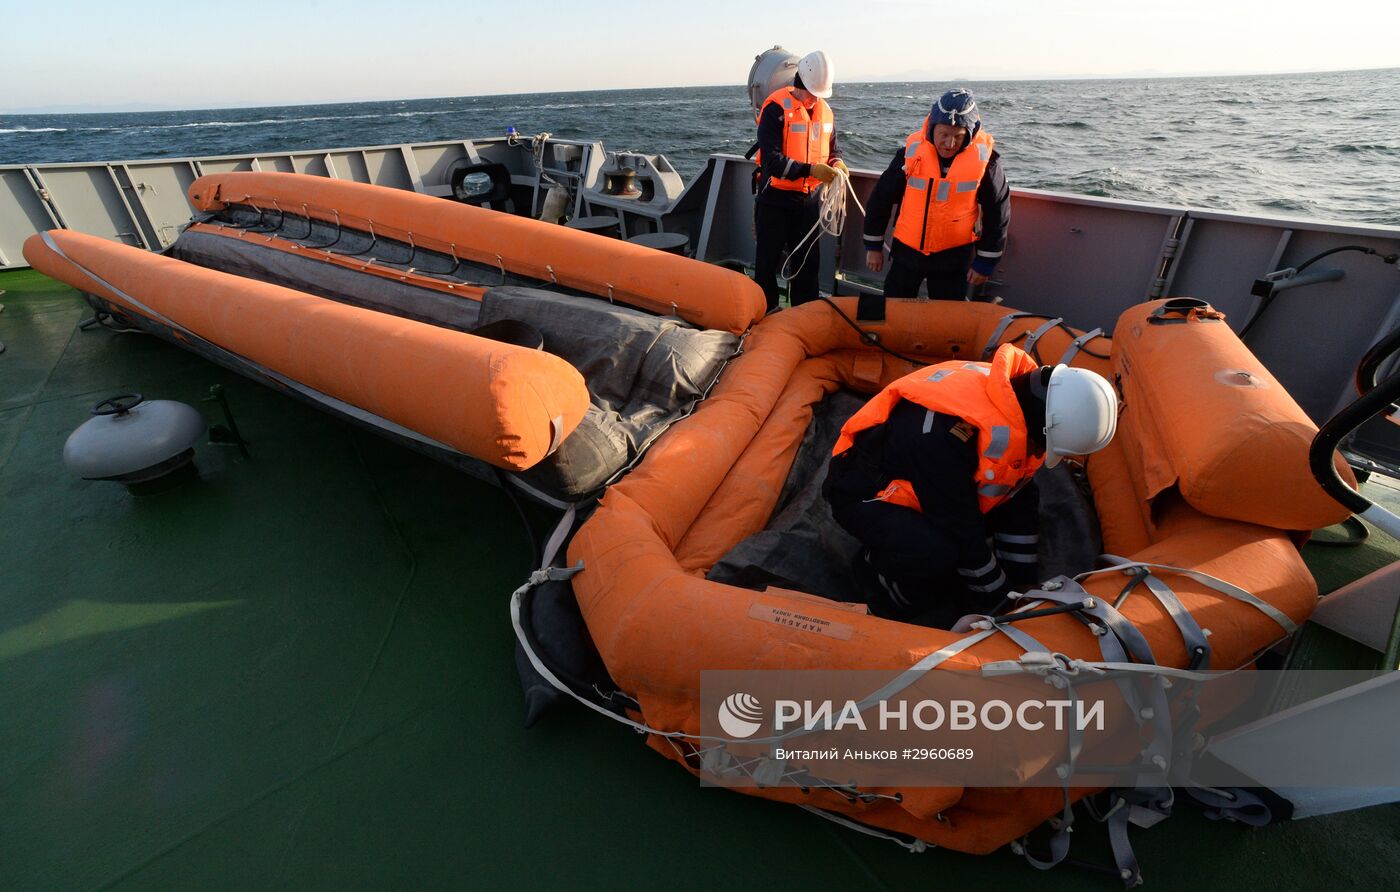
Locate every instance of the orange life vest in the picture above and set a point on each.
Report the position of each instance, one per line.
(939, 211)
(806, 136)
(980, 394)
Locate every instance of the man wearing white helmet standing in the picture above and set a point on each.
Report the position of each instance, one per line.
(797, 154)
(953, 203)
(934, 477)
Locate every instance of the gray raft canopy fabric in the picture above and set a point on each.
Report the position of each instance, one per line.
(803, 548)
(347, 286)
(643, 373)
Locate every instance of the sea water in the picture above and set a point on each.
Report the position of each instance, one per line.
(1322, 146)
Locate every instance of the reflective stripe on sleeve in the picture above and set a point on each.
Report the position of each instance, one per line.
(981, 571)
(991, 586)
(1030, 539)
(1001, 439)
(1016, 557)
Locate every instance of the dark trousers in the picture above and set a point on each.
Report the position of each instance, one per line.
(945, 272)
(911, 560)
(778, 227)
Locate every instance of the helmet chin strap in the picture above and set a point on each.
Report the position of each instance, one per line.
(1040, 389)
(1040, 382)
(1035, 388)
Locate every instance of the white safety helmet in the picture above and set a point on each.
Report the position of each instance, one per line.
(1081, 413)
(817, 74)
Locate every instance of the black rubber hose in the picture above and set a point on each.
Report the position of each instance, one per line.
(1388, 258)
(536, 552)
(870, 337)
(1268, 299)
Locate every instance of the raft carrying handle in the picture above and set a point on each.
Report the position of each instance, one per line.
(1184, 309)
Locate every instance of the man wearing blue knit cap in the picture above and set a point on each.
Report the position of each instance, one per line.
(953, 206)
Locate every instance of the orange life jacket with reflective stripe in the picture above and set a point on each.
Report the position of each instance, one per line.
(939, 211)
(806, 136)
(980, 394)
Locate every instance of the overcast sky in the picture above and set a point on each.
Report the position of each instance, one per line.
(196, 54)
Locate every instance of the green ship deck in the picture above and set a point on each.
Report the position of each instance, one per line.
(298, 673)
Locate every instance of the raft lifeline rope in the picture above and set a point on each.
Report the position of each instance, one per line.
(1125, 657)
(831, 219)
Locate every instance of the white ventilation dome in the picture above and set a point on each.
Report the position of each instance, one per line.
(130, 440)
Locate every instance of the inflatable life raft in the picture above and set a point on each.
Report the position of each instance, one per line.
(1203, 493)
(419, 317)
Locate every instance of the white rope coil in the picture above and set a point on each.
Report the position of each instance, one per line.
(831, 219)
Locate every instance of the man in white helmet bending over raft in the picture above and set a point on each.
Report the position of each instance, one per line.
(933, 476)
(797, 154)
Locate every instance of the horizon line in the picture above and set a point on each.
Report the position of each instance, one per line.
(884, 79)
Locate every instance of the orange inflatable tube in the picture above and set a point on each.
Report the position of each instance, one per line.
(503, 404)
(701, 293)
(715, 478)
(1236, 420)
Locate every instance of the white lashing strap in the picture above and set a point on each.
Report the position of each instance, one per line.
(1034, 337)
(556, 433)
(1055, 662)
(995, 340)
(556, 538)
(917, 846)
(1078, 344)
(1225, 588)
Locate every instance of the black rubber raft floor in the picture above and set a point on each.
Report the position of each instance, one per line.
(297, 673)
